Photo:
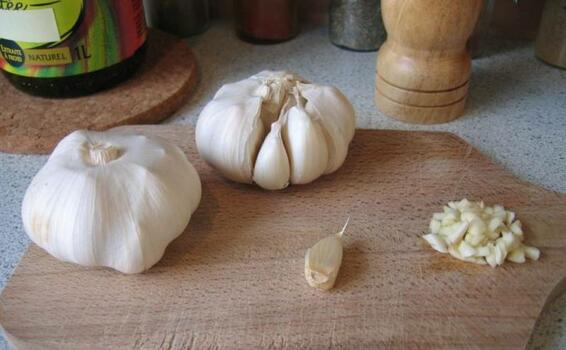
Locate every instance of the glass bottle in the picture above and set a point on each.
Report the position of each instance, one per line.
(72, 47)
(267, 22)
(180, 17)
(356, 24)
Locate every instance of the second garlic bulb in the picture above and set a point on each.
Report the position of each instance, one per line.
(275, 129)
(111, 199)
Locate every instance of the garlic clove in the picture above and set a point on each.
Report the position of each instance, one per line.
(332, 109)
(474, 240)
(436, 242)
(509, 217)
(306, 147)
(323, 260)
(477, 227)
(470, 216)
(490, 259)
(464, 204)
(449, 219)
(228, 136)
(510, 240)
(517, 255)
(434, 226)
(516, 228)
(483, 251)
(494, 224)
(438, 216)
(466, 250)
(455, 253)
(457, 232)
(532, 253)
(500, 253)
(272, 170)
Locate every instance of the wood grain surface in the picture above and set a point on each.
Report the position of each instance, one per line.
(168, 75)
(234, 279)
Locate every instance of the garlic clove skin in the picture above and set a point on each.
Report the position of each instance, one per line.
(323, 261)
(228, 136)
(318, 276)
(111, 199)
(307, 151)
(336, 114)
(272, 170)
(239, 90)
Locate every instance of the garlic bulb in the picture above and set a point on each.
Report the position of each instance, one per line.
(323, 260)
(111, 199)
(275, 129)
(473, 232)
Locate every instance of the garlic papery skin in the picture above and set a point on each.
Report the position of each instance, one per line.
(308, 153)
(338, 129)
(272, 170)
(317, 124)
(111, 199)
(480, 234)
(323, 260)
(229, 142)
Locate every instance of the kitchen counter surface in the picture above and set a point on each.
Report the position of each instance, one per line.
(516, 114)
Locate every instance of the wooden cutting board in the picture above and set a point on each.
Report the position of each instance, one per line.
(234, 279)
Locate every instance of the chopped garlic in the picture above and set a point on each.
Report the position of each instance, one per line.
(474, 232)
(532, 253)
(436, 242)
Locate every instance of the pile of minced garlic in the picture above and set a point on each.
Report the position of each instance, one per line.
(473, 232)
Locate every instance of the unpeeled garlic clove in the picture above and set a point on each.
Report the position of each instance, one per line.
(306, 146)
(336, 114)
(323, 260)
(272, 170)
(228, 136)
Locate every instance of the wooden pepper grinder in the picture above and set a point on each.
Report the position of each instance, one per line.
(423, 68)
(551, 40)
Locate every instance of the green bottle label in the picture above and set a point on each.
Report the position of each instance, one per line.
(49, 39)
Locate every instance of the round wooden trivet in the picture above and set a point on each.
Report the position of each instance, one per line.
(31, 124)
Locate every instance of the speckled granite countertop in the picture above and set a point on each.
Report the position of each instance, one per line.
(516, 114)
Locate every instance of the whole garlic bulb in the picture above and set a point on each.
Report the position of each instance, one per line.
(274, 129)
(111, 199)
